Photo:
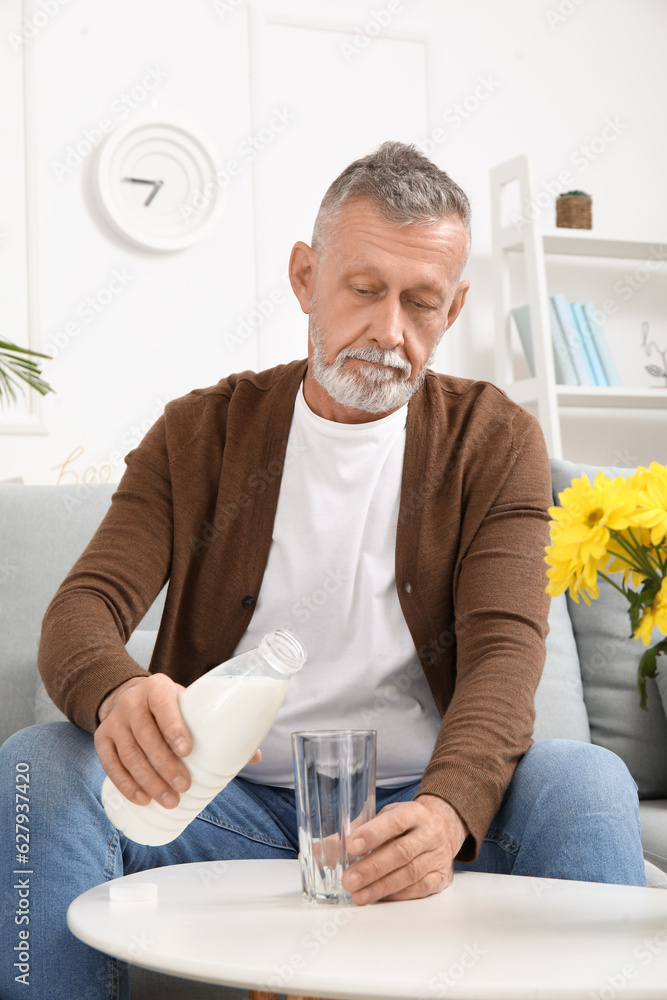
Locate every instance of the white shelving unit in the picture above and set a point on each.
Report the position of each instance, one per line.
(535, 245)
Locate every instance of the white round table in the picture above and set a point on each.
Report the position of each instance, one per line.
(486, 937)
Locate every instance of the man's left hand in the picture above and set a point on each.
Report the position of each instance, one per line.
(413, 846)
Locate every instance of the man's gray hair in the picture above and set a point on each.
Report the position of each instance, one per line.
(405, 185)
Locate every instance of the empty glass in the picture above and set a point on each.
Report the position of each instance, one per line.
(334, 778)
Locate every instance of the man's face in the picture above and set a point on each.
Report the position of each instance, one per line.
(379, 298)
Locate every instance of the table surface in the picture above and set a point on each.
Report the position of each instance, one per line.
(486, 937)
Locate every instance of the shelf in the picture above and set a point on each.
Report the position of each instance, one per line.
(534, 246)
(612, 396)
(619, 397)
(584, 243)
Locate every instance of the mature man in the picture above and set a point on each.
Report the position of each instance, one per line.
(416, 504)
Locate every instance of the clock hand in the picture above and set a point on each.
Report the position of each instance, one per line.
(139, 180)
(156, 187)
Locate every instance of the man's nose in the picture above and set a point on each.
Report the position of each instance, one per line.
(388, 326)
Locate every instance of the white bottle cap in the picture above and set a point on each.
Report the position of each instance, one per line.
(132, 892)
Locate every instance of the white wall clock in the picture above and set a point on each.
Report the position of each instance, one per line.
(155, 184)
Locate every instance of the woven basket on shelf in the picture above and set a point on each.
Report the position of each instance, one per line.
(574, 211)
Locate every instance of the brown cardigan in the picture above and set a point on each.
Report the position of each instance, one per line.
(196, 507)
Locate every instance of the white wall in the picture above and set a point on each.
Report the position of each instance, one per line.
(523, 84)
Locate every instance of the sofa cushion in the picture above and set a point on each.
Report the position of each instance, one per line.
(560, 710)
(609, 659)
(43, 530)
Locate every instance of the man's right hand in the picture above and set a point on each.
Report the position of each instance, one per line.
(141, 739)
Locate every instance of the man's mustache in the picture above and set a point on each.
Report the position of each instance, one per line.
(375, 354)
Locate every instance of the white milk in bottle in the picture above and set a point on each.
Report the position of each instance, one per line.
(228, 711)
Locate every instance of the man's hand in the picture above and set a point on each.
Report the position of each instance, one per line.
(142, 737)
(413, 847)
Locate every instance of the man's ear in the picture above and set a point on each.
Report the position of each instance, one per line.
(302, 271)
(457, 302)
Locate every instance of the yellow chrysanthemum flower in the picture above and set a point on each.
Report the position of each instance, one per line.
(580, 532)
(655, 614)
(651, 486)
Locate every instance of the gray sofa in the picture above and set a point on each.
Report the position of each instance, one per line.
(588, 690)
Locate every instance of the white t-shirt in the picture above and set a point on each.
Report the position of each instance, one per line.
(330, 579)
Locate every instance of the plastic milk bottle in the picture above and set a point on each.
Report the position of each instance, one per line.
(229, 711)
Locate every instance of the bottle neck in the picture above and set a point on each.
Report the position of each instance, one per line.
(279, 654)
(283, 652)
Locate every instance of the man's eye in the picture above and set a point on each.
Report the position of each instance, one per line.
(363, 291)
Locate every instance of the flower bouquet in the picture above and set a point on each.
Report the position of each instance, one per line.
(616, 526)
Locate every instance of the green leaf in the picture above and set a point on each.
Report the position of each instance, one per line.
(16, 366)
(6, 381)
(648, 668)
(5, 345)
(638, 600)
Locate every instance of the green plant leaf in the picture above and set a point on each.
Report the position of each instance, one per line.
(638, 600)
(648, 668)
(17, 366)
(5, 345)
(6, 386)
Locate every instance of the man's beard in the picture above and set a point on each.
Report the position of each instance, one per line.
(366, 387)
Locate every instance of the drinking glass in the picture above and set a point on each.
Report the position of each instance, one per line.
(334, 780)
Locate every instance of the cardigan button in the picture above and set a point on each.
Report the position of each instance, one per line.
(408, 588)
(249, 602)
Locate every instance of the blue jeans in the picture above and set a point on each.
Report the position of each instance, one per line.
(570, 812)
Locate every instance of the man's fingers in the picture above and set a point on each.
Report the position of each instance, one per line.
(431, 883)
(152, 762)
(163, 704)
(422, 875)
(133, 741)
(407, 851)
(398, 855)
(390, 822)
(121, 777)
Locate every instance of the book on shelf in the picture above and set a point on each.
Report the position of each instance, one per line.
(573, 340)
(581, 352)
(590, 349)
(564, 369)
(600, 340)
